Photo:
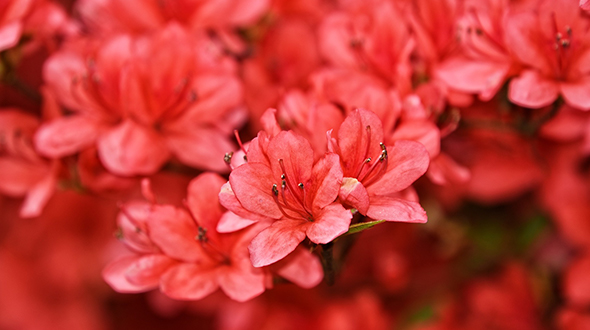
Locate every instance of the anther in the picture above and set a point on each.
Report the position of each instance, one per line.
(368, 160)
(300, 184)
(568, 30)
(227, 157)
(383, 152)
(565, 43)
(202, 235)
(192, 96)
(275, 189)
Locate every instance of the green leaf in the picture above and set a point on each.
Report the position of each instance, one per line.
(358, 227)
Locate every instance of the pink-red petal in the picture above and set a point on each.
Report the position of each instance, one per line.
(276, 242)
(174, 232)
(325, 183)
(302, 268)
(396, 209)
(407, 161)
(67, 136)
(577, 94)
(132, 149)
(353, 193)
(332, 222)
(532, 90)
(252, 186)
(148, 268)
(189, 282)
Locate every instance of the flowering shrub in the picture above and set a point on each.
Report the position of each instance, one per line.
(307, 164)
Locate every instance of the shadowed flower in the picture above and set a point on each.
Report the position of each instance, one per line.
(22, 171)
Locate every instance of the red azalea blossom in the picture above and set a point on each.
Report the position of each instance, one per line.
(554, 42)
(281, 182)
(142, 100)
(181, 253)
(375, 174)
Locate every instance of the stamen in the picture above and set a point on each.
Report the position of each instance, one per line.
(383, 152)
(275, 193)
(227, 157)
(240, 142)
(202, 235)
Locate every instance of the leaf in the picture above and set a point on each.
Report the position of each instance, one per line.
(358, 227)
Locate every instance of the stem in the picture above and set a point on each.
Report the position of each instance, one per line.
(328, 262)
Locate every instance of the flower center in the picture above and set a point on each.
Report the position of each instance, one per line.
(291, 200)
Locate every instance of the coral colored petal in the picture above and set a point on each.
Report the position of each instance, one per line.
(66, 136)
(38, 197)
(353, 193)
(115, 274)
(443, 169)
(216, 95)
(202, 148)
(269, 122)
(10, 35)
(189, 282)
(203, 200)
(276, 242)
(231, 222)
(297, 156)
(567, 125)
(174, 231)
(228, 199)
(577, 94)
(396, 209)
(333, 221)
(407, 161)
(522, 33)
(423, 131)
(252, 186)
(335, 35)
(241, 281)
(132, 223)
(359, 137)
(131, 149)
(18, 176)
(474, 76)
(326, 182)
(302, 268)
(146, 270)
(532, 90)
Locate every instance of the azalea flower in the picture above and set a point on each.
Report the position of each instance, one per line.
(554, 42)
(375, 174)
(281, 182)
(23, 172)
(141, 101)
(367, 38)
(181, 252)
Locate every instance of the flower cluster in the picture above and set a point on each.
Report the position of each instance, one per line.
(321, 164)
